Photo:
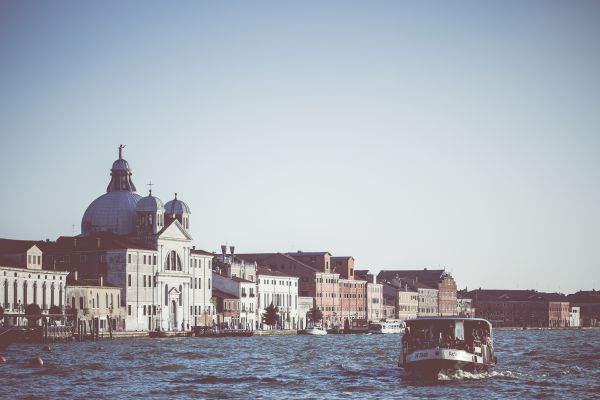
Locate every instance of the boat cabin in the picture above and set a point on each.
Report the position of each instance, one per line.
(454, 333)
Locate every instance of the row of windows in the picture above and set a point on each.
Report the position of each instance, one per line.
(275, 282)
(34, 259)
(94, 302)
(25, 290)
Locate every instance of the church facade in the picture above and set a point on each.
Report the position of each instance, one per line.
(143, 247)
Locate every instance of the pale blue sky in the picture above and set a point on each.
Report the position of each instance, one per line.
(406, 134)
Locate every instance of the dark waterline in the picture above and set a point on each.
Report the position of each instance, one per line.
(532, 364)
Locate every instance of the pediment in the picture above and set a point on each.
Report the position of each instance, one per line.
(174, 291)
(174, 231)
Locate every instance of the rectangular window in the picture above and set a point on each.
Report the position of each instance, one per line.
(129, 280)
(144, 282)
(209, 283)
(129, 310)
(154, 260)
(129, 258)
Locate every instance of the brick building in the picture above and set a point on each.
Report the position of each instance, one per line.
(520, 308)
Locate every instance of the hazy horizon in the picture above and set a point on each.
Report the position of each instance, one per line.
(461, 135)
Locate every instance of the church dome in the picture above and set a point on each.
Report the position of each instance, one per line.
(112, 212)
(150, 203)
(177, 206)
(120, 165)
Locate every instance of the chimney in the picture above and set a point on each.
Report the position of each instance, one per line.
(101, 280)
(75, 274)
(193, 247)
(223, 251)
(75, 242)
(231, 249)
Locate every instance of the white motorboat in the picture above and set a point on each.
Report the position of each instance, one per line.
(315, 330)
(386, 327)
(433, 345)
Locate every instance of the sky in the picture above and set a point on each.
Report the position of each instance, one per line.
(460, 135)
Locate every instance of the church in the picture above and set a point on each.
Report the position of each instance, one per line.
(144, 247)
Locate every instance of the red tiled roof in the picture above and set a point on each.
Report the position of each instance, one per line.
(262, 270)
(8, 246)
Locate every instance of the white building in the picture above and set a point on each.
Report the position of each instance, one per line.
(575, 316)
(245, 291)
(281, 290)
(92, 298)
(25, 278)
(428, 300)
(305, 304)
(144, 248)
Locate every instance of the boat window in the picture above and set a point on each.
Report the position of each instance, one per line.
(459, 330)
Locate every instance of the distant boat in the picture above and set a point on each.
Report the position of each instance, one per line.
(386, 327)
(433, 345)
(315, 330)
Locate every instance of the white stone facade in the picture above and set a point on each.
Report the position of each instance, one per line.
(281, 291)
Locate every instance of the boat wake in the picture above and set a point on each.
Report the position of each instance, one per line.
(459, 375)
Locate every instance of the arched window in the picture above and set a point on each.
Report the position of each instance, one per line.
(173, 262)
(52, 295)
(73, 302)
(111, 300)
(166, 295)
(106, 301)
(81, 303)
(97, 300)
(15, 297)
(35, 300)
(180, 294)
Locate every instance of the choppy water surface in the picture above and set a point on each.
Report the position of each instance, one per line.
(531, 364)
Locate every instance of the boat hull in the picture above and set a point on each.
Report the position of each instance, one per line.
(430, 362)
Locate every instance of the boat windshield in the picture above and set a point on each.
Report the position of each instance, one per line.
(459, 334)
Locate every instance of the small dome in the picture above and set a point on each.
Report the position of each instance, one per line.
(177, 206)
(150, 203)
(112, 212)
(121, 165)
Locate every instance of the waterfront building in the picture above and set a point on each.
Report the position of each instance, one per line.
(388, 308)
(281, 290)
(405, 299)
(241, 289)
(428, 300)
(464, 307)
(353, 292)
(93, 299)
(143, 247)
(520, 308)
(374, 295)
(589, 303)
(231, 266)
(28, 276)
(574, 316)
(304, 306)
(438, 279)
(227, 309)
(312, 282)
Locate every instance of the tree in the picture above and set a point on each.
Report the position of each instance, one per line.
(54, 312)
(314, 315)
(33, 312)
(270, 316)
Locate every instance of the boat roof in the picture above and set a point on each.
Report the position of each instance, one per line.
(448, 319)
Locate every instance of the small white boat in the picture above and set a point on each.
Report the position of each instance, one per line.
(315, 330)
(386, 327)
(432, 345)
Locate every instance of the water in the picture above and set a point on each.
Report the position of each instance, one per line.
(532, 364)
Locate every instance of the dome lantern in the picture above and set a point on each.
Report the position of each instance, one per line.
(177, 210)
